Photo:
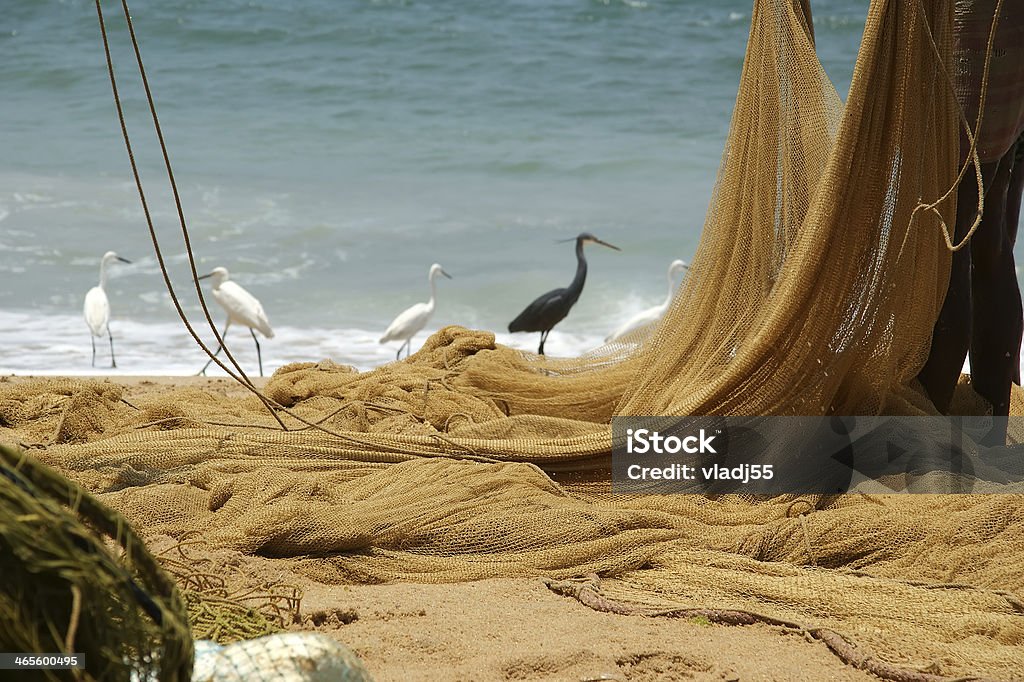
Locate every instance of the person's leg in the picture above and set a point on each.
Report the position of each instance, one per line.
(952, 334)
(997, 320)
(1013, 198)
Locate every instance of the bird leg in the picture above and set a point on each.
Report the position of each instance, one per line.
(543, 338)
(93, 339)
(220, 347)
(113, 362)
(203, 370)
(258, 357)
(398, 355)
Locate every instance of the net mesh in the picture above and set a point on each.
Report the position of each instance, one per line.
(77, 581)
(814, 290)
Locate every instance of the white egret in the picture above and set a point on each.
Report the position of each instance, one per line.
(242, 308)
(415, 317)
(97, 308)
(654, 313)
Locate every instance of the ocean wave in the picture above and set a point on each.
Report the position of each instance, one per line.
(32, 344)
(59, 345)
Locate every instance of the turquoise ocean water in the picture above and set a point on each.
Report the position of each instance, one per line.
(328, 151)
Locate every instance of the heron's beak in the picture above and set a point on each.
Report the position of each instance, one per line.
(446, 274)
(562, 241)
(603, 243)
(123, 260)
(209, 274)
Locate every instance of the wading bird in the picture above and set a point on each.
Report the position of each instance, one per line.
(414, 318)
(654, 313)
(242, 307)
(97, 308)
(551, 308)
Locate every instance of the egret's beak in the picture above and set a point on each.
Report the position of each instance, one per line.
(123, 260)
(209, 274)
(603, 243)
(446, 274)
(562, 241)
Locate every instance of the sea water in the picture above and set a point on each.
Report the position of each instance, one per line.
(328, 151)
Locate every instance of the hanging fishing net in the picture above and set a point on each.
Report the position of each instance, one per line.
(814, 290)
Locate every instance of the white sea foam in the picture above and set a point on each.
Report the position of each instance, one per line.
(59, 344)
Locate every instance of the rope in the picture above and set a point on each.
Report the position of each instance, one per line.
(272, 406)
(807, 539)
(972, 136)
(587, 591)
(145, 204)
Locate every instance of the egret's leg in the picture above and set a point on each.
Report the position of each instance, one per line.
(93, 339)
(398, 355)
(257, 342)
(223, 335)
(113, 362)
(543, 338)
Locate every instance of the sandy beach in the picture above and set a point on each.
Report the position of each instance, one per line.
(517, 629)
(492, 629)
(497, 629)
(461, 514)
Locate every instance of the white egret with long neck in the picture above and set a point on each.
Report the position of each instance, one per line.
(415, 317)
(654, 313)
(97, 307)
(242, 308)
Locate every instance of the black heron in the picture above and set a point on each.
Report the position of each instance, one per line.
(551, 308)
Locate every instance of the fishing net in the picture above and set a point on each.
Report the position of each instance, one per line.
(77, 581)
(820, 273)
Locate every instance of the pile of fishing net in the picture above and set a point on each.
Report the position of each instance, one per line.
(814, 291)
(80, 587)
(77, 580)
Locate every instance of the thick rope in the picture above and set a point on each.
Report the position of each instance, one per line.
(272, 406)
(587, 591)
(145, 204)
